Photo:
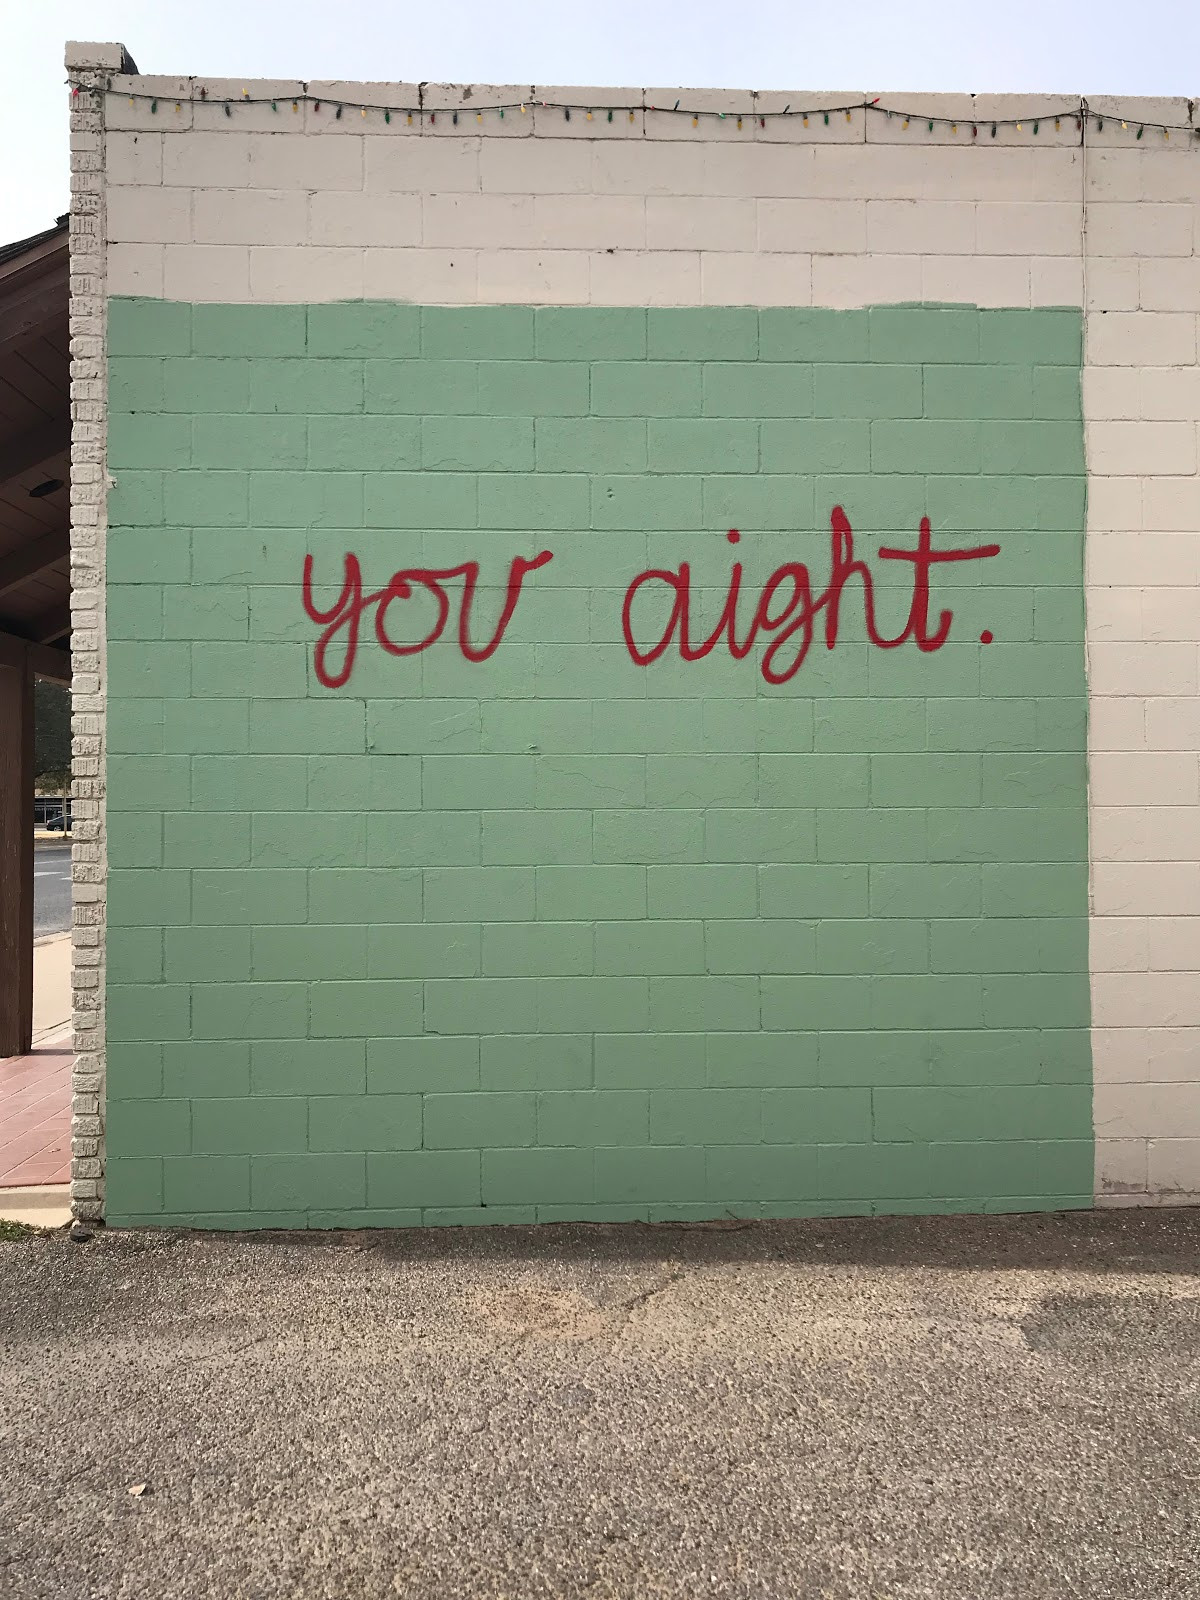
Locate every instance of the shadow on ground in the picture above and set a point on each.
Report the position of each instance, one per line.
(954, 1407)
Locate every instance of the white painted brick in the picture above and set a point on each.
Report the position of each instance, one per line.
(1130, 174)
(742, 171)
(149, 214)
(1136, 1054)
(1055, 281)
(1111, 394)
(858, 280)
(1174, 1163)
(1172, 505)
(1167, 393)
(1175, 947)
(484, 221)
(305, 272)
(1169, 285)
(856, 172)
(202, 160)
(1033, 227)
(1143, 558)
(250, 216)
(206, 272)
(1145, 833)
(135, 269)
(1121, 1168)
(546, 277)
(1114, 614)
(249, 104)
(648, 169)
(1119, 944)
(978, 280)
(132, 158)
(700, 222)
(1112, 284)
(1141, 338)
(828, 226)
(743, 278)
(591, 222)
(1147, 999)
(550, 122)
(1116, 723)
(123, 111)
(645, 278)
(348, 218)
(791, 130)
(1146, 1109)
(287, 160)
(1143, 669)
(1139, 228)
(1114, 504)
(1165, 778)
(415, 166)
(525, 166)
(926, 227)
(1173, 722)
(1142, 449)
(436, 277)
(1169, 613)
(1145, 888)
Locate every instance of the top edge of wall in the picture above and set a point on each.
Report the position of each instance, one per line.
(646, 112)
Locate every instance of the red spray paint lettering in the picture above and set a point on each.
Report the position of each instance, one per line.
(342, 622)
(790, 588)
(787, 610)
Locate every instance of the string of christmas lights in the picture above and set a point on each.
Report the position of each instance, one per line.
(1080, 114)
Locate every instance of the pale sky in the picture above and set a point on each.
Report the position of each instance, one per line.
(1071, 47)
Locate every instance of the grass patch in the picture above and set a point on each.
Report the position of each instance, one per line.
(14, 1230)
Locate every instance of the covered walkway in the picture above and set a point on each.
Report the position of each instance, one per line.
(35, 616)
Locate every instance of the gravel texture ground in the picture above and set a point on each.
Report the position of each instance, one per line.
(952, 1407)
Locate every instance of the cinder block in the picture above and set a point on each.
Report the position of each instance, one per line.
(426, 277)
(298, 273)
(135, 269)
(199, 272)
(644, 278)
(349, 218)
(827, 227)
(533, 277)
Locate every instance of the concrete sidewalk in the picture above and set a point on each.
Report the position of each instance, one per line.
(964, 1408)
(51, 986)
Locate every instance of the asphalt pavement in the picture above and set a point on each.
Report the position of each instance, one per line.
(950, 1407)
(51, 889)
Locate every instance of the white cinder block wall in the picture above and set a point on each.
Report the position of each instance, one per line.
(294, 203)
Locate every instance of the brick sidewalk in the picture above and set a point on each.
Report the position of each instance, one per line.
(35, 1115)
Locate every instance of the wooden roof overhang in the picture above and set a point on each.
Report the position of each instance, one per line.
(35, 454)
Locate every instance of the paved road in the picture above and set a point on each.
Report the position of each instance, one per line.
(949, 1409)
(51, 889)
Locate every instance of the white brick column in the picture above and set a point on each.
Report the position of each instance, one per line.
(89, 67)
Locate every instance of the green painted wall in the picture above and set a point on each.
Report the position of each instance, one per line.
(554, 934)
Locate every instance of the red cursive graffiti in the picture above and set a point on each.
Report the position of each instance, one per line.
(344, 617)
(798, 614)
